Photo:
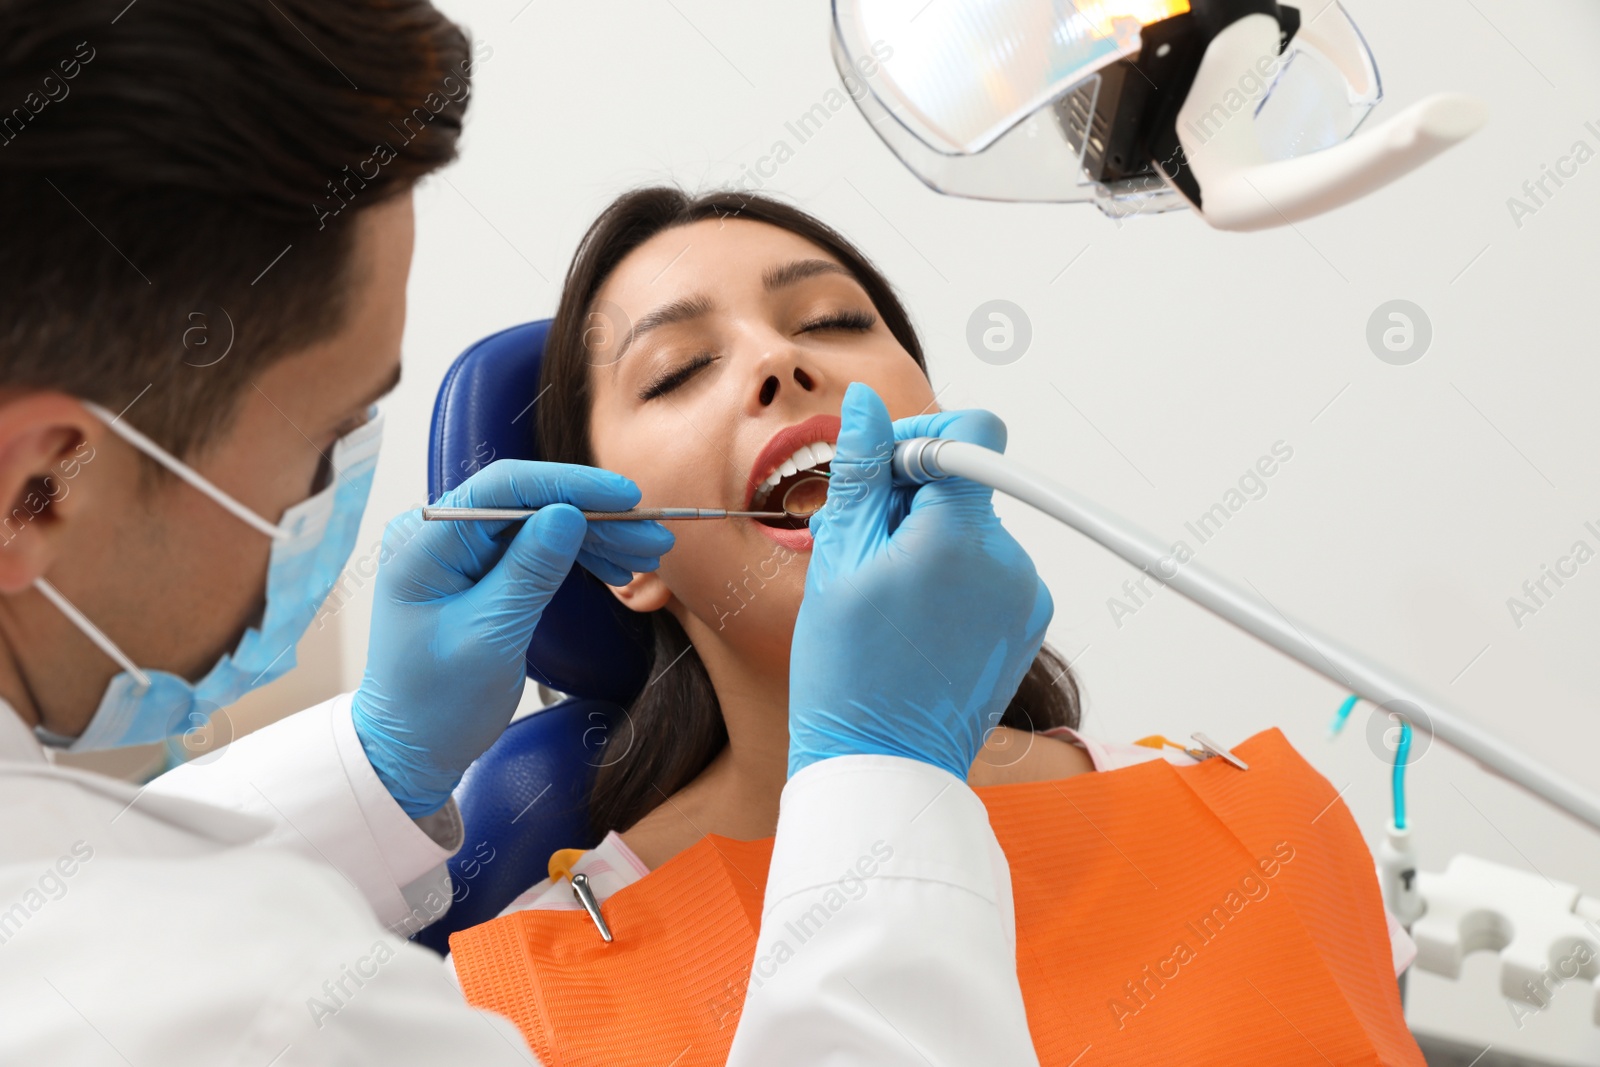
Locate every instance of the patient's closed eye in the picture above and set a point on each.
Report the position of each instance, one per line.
(674, 378)
(851, 319)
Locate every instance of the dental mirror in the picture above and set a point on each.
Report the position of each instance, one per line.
(805, 497)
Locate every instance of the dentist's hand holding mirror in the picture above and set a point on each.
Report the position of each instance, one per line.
(457, 603)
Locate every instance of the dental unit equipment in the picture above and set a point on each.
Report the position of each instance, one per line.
(1243, 110)
(1249, 113)
(924, 459)
(1545, 933)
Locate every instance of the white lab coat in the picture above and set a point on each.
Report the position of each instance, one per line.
(243, 911)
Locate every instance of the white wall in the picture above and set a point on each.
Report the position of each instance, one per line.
(1418, 499)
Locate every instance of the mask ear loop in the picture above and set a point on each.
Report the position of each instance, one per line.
(91, 631)
(182, 470)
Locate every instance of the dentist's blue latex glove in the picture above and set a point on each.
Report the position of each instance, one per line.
(457, 602)
(921, 613)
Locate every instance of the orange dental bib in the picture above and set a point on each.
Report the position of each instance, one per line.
(1165, 915)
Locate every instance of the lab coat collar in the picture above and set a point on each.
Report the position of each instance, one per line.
(17, 743)
(222, 826)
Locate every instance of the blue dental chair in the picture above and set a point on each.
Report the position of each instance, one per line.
(528, 795)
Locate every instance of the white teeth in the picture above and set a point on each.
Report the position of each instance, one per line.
(804, 458)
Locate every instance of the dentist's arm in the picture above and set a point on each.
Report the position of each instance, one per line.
(363, 782)
(887, 933)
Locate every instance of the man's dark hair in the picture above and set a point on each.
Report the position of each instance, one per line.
(187, 171)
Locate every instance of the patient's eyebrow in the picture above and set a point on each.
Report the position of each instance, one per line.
(778, 277)
(689, 307)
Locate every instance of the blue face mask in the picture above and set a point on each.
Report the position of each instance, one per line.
(310, 546)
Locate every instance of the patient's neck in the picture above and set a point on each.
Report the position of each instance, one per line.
(737, 795)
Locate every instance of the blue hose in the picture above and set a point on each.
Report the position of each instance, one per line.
(1340, 716)
(1402, 751)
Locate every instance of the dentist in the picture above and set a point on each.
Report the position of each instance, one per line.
(207, 231)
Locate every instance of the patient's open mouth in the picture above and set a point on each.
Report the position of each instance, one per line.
(791, 475)
(798, 485)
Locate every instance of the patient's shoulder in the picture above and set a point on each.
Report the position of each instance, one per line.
(1011, 756)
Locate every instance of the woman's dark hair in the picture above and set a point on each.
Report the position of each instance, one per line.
(678, 716)
(185, 173)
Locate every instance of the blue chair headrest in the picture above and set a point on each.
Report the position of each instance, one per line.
(587, 644)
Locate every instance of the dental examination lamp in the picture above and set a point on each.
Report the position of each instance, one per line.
(1243, 110)
(926, 459)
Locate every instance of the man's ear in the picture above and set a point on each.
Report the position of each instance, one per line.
(46, 438)
(646, 593)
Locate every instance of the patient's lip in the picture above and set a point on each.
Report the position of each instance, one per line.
(793, 540)
(783, 444)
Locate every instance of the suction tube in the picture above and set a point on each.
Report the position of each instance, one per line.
(925, 459)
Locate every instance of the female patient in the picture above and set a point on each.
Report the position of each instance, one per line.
(748, 320)
(702, 347)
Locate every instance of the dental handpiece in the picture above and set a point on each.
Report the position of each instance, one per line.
(916, 462)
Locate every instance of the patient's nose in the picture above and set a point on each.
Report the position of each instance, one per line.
(797, 376)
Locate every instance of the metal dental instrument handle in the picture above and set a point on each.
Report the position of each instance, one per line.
(924, 459)
(433, 514)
